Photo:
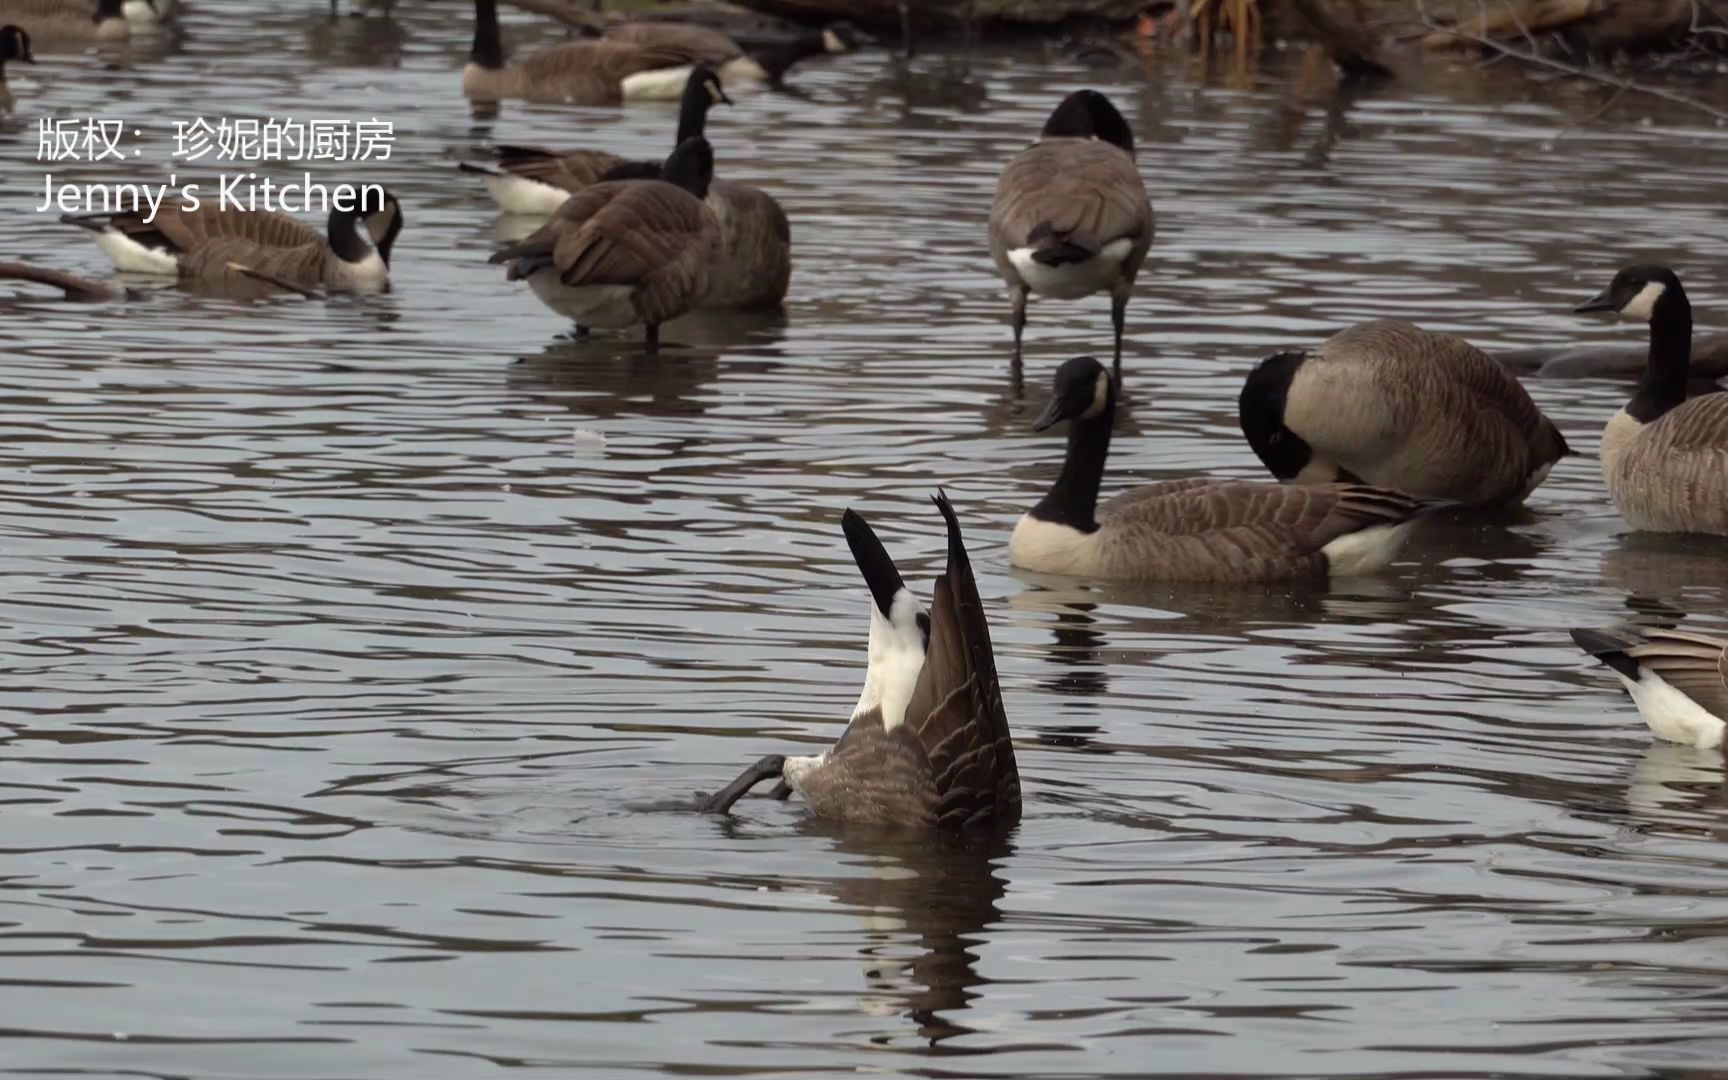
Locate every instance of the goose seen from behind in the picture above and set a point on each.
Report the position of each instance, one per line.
(211, 243)
(14, 45)
(531, 181)
(1195, 529)
(1071, 216)
(928, 745)
(589, 72)
(1678, 679)
(1393, 405)
(1664, 456)
(68, 22)
(626, 252)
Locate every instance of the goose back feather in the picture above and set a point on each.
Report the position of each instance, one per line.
(589, 72)
(1677, 678)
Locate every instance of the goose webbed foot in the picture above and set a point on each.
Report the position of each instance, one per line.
(721, 801)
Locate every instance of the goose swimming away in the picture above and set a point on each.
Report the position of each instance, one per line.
(928, 744)
(1677, 678)
(1664, 456)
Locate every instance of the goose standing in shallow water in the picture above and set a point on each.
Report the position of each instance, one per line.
(1664, 456)
(64, 22)
(14, 45)
(1071, 216)
(575, 73)
(530, 181)
(1197, 529)
(928, 744)
(211, 243)
(1391, 404)
(626, 252)
(1677, 678)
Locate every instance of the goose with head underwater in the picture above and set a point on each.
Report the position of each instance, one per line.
(14, 45)
(1664, 456)
(1678, 679)
(1393, 405)
(535, 182)
(210, 243)
(1196, 529)
(69, 22)
(624, 253)
(928, 744)
(1071, 216)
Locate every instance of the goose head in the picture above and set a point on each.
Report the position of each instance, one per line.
(1639, 294)
(704, 87)
(1087, 114)
(1084, 390)
(15, 44)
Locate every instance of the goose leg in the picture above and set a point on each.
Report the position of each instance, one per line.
(1119, 320)
(721, 801)
(1019, 321)
(906, 28)
(653, 338)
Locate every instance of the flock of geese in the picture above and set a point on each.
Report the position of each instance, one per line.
(1367, 433)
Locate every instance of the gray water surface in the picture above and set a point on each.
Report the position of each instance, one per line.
(359, 655)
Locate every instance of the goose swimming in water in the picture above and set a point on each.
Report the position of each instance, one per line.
(1677, 678)
(928, 745)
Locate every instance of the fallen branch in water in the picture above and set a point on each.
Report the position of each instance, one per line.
(1509, 52)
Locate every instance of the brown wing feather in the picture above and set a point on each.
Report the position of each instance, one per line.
(754, 266)
(567, 170)
(956, 713)
(185, 229)
(873, 777)
(1673, 476)
(305, 265)
(708, 45)
(1075, 186)
(586, 72)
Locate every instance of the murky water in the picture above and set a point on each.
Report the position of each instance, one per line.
(354, 652)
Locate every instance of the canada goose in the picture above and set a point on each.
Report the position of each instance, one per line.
(210, 242)
(928, 744)
(1677, 678)
(1071, 216)
(626, 251)
(14, 45)
(1196, 529)
(1665, 456)
(71, 285)
(529, 180)
(767, 64)
(574, 73)
(754, 264)
(147, 13)
(1390, 404)
(68, 21)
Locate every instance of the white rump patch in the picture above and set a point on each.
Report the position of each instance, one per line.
(660, 84)
(896, 658)
(520, 195)
(135, 258)
(1642, 306)
(1366, 551)
(1074, 280)
(599, 307)
(1671, 714)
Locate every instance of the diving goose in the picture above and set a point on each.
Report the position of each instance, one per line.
(1664, 456)
(14, 45)
(1071, 216)
(211, 243)
(767, 64)
(530, 181)
(928, 744)
(599, 72)
(625, 252)
(68, 21)
(1195, 529)
(1390, 404)
(1677, 678)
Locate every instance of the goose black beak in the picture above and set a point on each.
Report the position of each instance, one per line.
(1050, 417)
(1599, 302)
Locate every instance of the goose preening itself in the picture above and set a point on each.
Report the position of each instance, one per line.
(1677, 678)
(531, 181)
(736, 67)
(626, 252)
(14, 45)
(1071, 216)
(1664, 456)
(598, 72)
(211, 243)
(1196, 529)
(928, 745)
(69, 21)
(1390, 404)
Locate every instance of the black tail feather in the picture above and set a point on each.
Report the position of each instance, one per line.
(873, 561)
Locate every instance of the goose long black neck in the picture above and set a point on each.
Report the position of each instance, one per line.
(777, 60)
(693, 113)
(1664, 383)
(1073, 499)
(1260, 412)
(108, 9)
(345, 238)
(488, 50)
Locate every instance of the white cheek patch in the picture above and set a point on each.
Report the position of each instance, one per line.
(1100, 396)
(831, 41)
(1642, 306)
